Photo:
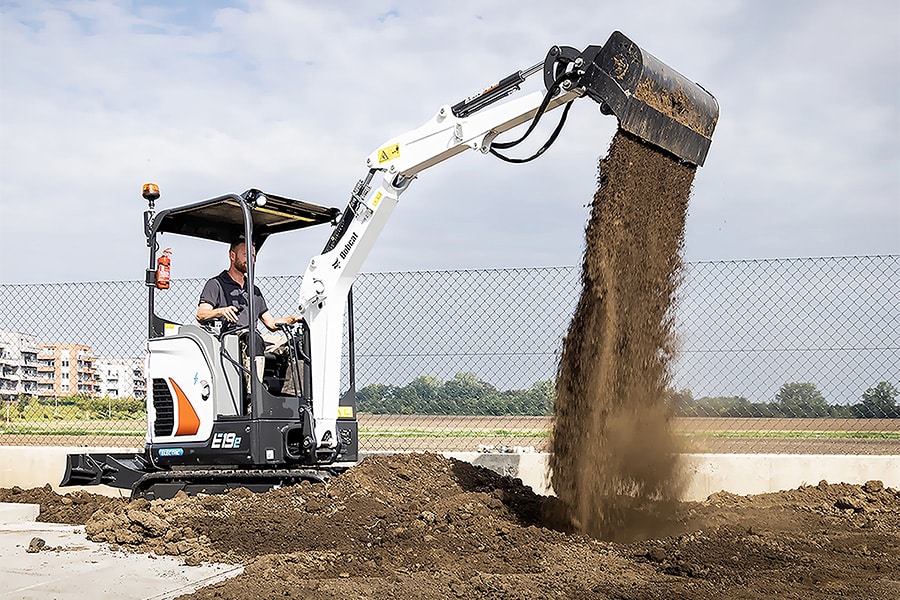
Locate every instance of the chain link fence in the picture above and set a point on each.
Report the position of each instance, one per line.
(776, 356)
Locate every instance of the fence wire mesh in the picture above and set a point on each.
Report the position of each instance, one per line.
(775, 356)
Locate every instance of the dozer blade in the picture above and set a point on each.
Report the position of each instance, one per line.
(115, 470)
(650, 99)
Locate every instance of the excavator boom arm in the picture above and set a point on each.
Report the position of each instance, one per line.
(650, 100)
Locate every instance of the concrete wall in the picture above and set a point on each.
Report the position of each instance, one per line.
(29, 467)
(36, 466)
(736, 473)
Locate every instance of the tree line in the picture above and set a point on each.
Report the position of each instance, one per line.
(793, 400)
(466, 394)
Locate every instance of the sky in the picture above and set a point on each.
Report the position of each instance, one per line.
(206, 98)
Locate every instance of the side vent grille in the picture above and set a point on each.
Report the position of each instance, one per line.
(164, 405)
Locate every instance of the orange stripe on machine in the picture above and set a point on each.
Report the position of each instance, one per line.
(188, 421)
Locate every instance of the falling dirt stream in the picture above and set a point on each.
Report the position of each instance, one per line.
(611, 435)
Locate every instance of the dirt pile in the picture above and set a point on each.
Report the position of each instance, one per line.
(423, 526)
(611, 435)
(391, 512)
(74, 507)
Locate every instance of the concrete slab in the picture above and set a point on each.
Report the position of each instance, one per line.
(29, 467)
(70, 567)
(13, 512)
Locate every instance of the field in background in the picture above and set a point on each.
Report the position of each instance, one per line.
(471, 433)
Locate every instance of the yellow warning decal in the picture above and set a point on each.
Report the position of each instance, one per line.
(377, 198)
(345, 412)
(170, 329)
(388, 153)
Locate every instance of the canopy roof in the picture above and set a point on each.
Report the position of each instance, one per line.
(222, 219)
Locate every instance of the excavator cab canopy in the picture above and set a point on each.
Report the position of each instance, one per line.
(222, 219)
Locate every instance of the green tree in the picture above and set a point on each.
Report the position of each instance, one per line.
(724, 406)
(465, 389)
(538, 400)
(801, 400)
(22, 404)
(375, 398)
(682, 402)
(880, 402)
(426, 386)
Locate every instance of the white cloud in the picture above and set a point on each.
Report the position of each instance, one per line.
(98, 97)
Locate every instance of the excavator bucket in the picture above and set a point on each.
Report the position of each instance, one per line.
(650, 99)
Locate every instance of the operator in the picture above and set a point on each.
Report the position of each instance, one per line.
(225, 296)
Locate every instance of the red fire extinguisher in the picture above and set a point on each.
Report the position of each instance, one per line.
(162, 270)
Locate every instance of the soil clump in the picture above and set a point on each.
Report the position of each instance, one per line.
(427, 527)
(613, 449)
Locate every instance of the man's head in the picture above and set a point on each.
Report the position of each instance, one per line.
(237, 254)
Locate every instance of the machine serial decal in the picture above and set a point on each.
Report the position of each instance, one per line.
(226, 440)
(377, 198)
(388, 153)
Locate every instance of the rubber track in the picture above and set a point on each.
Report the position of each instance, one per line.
(277, 477)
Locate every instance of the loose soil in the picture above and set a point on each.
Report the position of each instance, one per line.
(424, 526)
(613, 436)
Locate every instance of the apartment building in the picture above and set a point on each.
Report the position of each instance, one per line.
(19, 365)
(31, 368)
(121, 377)
(67, 370)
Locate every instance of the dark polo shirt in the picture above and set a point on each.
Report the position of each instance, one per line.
(222, 291)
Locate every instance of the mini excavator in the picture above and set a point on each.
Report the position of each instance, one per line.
(214, 422)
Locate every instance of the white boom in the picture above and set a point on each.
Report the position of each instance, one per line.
(329, 276)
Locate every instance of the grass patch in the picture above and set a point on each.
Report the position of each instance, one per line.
(506, 433)
(74, 431)
(451, 433)
(105, 428)
(797, 435)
